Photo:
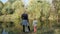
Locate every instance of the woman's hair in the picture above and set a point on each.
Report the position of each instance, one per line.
(34, 18)
(25, 11)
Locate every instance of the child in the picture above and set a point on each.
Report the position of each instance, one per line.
(35, 24)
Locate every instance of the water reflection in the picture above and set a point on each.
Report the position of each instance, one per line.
(54, 31)
(4, 31)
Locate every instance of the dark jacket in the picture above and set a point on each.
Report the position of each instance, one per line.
(24, 17)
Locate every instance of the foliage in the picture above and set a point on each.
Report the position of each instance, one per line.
(38, 6)
(12, 12)
(40, 9)
(1, 6)
(56, 4)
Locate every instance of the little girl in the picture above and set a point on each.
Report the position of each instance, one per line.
(35, 24)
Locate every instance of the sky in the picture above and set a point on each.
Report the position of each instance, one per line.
(4, 1)
(50, 1)
(26, 1)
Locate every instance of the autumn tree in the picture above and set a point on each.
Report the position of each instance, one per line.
(57, 9)
(1, 7)
(40, 9)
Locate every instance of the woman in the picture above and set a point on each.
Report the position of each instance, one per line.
(25, 21)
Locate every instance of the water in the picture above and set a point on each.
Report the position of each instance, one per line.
(55, 31)
(4, 32)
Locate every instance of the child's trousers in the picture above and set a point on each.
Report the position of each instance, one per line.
(35, 28)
